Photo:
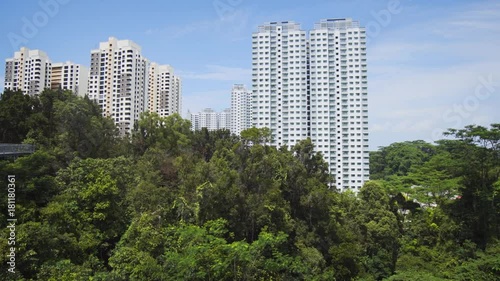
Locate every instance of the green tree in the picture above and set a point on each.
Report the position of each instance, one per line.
(434, 182)
(476, 153)
(206, 142)
(90, 206)
(256, 135)
(399, 158)
(171, 133)
(15, 111)
(380, 231)
(82, 131)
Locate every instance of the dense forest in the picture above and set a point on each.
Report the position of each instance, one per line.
(166, 203)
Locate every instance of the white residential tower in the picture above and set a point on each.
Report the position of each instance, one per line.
(315, 85)
(241, 109)
(118, 81)
(28, 71)
(164, 90)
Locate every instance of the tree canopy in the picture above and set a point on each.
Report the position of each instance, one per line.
(166, 203)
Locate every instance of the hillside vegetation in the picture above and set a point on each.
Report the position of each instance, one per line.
(166, 203)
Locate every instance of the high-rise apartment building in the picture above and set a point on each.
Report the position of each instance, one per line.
(164, 90)
(224, 119)
(28, 71)
(118, 81)
(70, 76)
(315, 85)
(279, 77)
(195, 120)
(241, 109)
(210, 119)
(177, 98)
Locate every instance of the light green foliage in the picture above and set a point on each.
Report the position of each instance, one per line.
(92, 193)
(192, 252)
(89, 210)
(434, 182)
(256, 135)
(169, 133)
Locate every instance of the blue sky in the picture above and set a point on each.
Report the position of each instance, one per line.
(432, 65)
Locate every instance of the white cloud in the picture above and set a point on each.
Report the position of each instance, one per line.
(476, 25)
(231, 24)
(219, 73)
(475, 20)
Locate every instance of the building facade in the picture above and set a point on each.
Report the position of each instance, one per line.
(70, 76)
(28, 71)
(224, 119)
(241, 109)
(118, 81)
(210, 119)
(164, 90)
(314, 85)
(177, 98)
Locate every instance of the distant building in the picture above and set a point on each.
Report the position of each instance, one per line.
(224, 120)
(210, 119)
(118, 81)
(241, 109)
(70, 76)
(195, 120)
(28, 71)
(177, 104)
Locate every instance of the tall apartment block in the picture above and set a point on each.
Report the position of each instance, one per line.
(314, 85)
(164, 90)
(224, 119)
(118, 81)
(177, 98)
(70, 76)
(195, 120)
(210, 119)
(241, 109)
(28, 71)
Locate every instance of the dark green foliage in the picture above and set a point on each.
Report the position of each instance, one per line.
(15, 110)
(379, 230)
(476, 154)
